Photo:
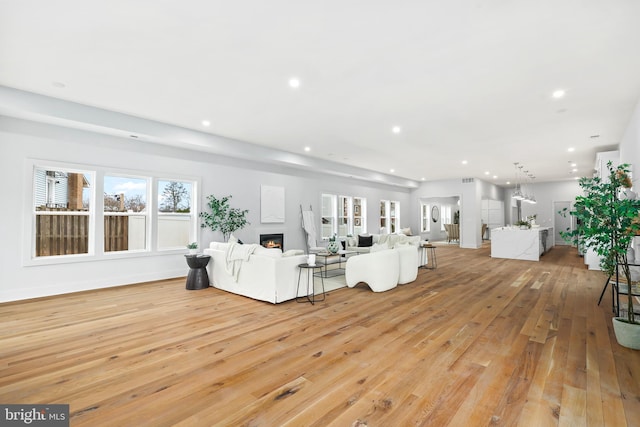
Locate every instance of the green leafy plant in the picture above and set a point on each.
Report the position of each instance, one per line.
(456, 217)
(192, 245)
(523, 223)
(608, 223)
(222, 217)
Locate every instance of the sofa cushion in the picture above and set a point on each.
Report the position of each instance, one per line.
(271, 252)
(293, 252)
(220, 246)
(365, 241)
(378, 247)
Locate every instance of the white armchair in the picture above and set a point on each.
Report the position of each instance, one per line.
(380, 270)
(409, 262)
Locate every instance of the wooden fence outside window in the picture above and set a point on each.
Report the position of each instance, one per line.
(67, 233)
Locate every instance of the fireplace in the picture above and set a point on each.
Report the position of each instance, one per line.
(272, 241)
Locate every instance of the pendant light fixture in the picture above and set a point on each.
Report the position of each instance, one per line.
(517, 194)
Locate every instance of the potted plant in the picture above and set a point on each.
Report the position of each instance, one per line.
(223, 217)
(524, 225)
(608, 223)
(193, 248)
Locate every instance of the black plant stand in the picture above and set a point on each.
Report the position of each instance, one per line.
(198, 277)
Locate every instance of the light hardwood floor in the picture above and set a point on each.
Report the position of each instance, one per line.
(476, 342)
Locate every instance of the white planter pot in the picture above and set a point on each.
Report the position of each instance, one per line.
(627, 334)
(193, 251)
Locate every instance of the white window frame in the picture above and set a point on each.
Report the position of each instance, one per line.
(96, 175)
(445, 216)
(389, 218)
(146, 213)
(425, 217)
(192, 215)
(339, 202)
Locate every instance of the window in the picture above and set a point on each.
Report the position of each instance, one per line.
(126, 217)
(359, 218)
(67, 227)
(329, 215)
(425, 217)
(176, 221)
(343, 215)
(62, 212)
(389, 216)
(445, 216)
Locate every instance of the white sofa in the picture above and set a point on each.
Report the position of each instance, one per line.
(391, 240)
(266, 274)
(383, 269)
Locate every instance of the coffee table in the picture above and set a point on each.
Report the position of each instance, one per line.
(328, 258)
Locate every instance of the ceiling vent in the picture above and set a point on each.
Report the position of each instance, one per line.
(467, 180)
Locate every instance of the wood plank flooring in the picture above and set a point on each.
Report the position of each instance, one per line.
(476, 342)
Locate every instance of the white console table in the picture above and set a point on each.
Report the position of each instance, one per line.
(514, 243)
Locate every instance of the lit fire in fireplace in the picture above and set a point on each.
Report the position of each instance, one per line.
(272, 244)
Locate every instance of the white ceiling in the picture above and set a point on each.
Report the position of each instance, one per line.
(465, 80)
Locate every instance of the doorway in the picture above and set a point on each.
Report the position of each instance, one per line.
(561, 222)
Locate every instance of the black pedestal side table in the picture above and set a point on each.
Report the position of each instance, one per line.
(311, 288)
(198, 277)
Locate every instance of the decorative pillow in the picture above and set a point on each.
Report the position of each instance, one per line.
(233, 239)
(351, 241)
(365, 241)
(293, 252)
(406, 231)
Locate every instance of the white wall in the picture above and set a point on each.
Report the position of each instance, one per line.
(630, 146)
(21, 140)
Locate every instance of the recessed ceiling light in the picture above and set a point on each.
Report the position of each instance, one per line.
(392, 170)
(508, 182)
(486, 172)
(206, 123)
(559, 93)
(396, 129)
(294, 82)
(573, 165)
(495, 176)
(464, 162)
(423, 178)
(571, 149)
(577, 177)
(574, 170)
(307, 149)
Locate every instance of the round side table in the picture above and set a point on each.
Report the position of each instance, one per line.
(310, 295)
(198, 277)
(430, 259)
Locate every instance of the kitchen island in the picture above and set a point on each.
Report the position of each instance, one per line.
(514, 243)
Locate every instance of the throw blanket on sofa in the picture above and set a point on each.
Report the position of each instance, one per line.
(235, 254)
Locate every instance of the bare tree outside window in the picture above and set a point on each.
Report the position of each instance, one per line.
(175, 198)
(135, 203)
